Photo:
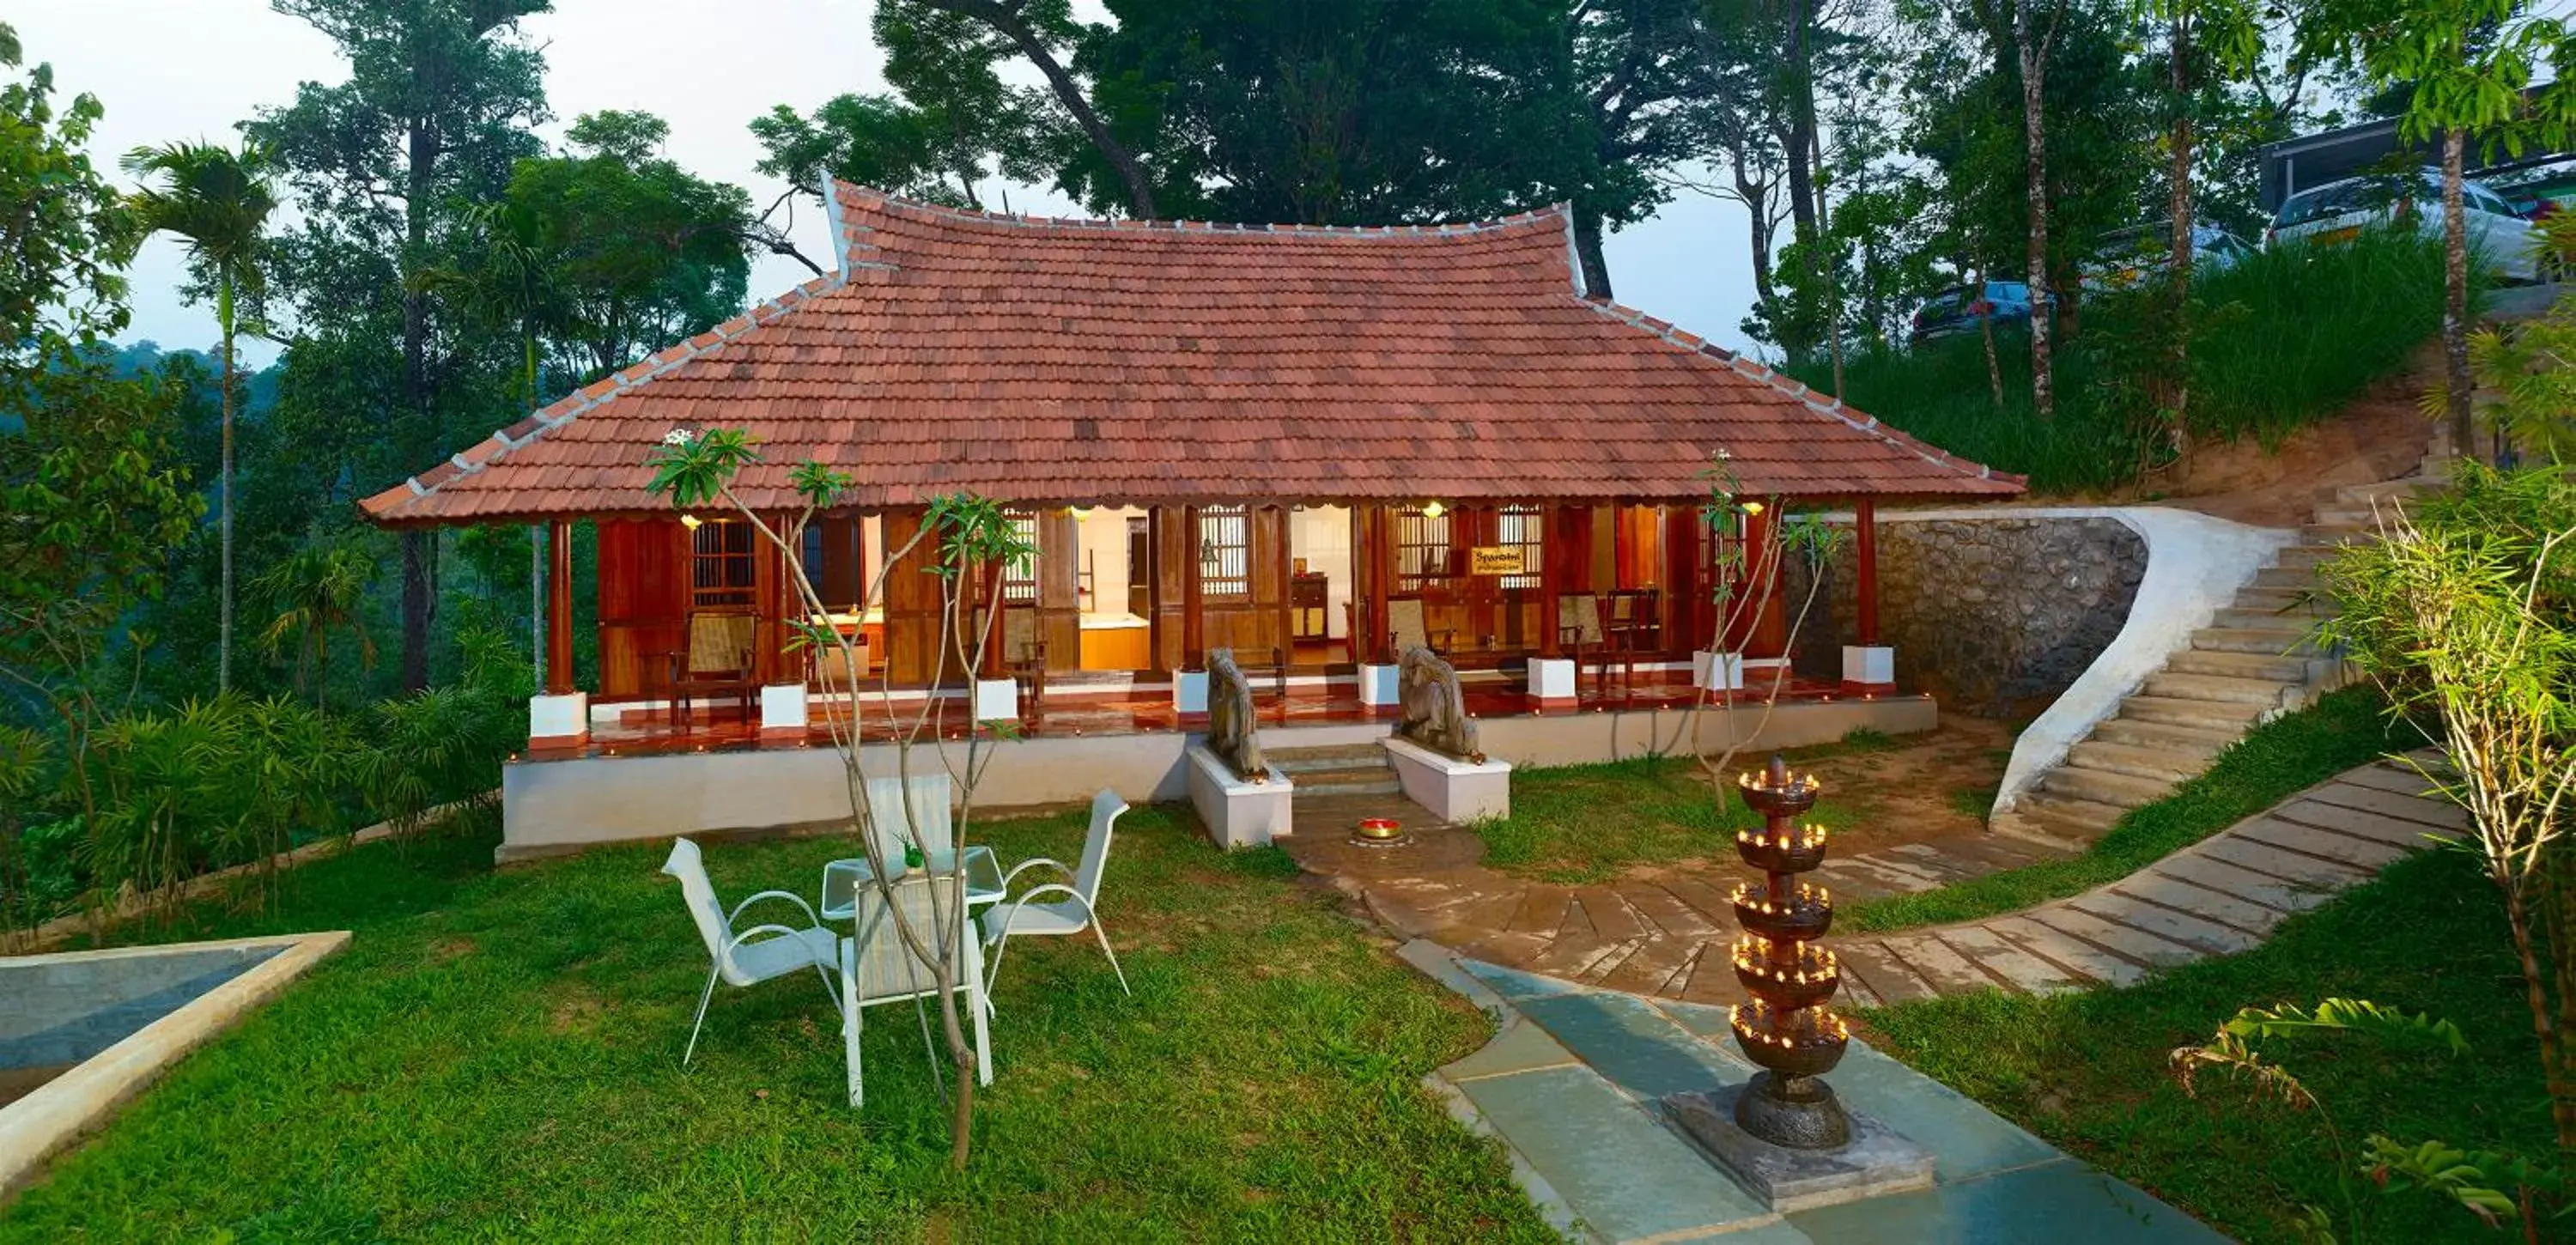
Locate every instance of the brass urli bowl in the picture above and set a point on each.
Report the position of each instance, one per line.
(1378, 830)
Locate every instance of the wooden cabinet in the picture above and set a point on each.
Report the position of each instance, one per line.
(1309, 597)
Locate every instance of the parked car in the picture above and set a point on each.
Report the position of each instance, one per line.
(1957, 309)
(2338, 211)
(2124, 257)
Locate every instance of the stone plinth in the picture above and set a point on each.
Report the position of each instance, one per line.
(997, 700)
(1454, 790)
(1876, 1161)
(782, 711)
(559, 721)
(1238, 813)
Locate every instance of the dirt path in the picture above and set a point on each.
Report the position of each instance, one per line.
(2382, 435)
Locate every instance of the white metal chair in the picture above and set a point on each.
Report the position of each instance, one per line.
(878, 966)
(734, 957)
(1071, 914)
(929, 823)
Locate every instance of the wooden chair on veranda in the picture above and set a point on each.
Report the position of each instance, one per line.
(717, 660)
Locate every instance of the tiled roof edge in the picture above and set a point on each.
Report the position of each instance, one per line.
(1573, 253)
(888, 201)
(588, 398)
(1828, 406)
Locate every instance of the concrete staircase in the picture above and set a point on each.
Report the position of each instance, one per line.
(2255, 661)
(1339, 784)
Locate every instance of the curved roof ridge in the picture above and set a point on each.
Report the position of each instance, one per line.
(852, 195)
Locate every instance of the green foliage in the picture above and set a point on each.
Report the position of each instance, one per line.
(316, 591)
(2091, 1071)
(2344, 729)
(2529, 368)
(66, 232)
(2285, 339)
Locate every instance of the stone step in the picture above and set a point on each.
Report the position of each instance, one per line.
(2269, 641)
(2077, 782)
(2305, 556)
(2059, 821)
(1328, 756)
(2261, 693)
(2309, 599)
(2344, 521)
(1346, 782)
(2203, 742)
(2406, 489)
(2155, 764)
(2285, 577)
(2296, 618)
(2239, 665)
(2230, 716)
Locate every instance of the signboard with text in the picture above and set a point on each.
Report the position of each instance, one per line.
(1495, 560)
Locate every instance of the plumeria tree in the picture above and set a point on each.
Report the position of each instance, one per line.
(1745, 578)
(697, 470)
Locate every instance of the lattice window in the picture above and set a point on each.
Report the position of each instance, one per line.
(1422, 549)
(720, 569)
(1526, 527)
(1225, 553)
(1020, 579)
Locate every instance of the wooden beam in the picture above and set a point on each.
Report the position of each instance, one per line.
(1193, 620)
(1551, 573)
(559, 608)
(991, 619)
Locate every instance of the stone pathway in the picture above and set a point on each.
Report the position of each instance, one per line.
(2221, 895)
(1663, 933)
(1571, 1085)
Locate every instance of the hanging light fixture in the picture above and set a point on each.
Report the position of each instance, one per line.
(1434, 510)
(1753, 507)
(691, 521)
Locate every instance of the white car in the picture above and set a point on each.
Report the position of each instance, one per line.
(2129, 256)
(2338, 211)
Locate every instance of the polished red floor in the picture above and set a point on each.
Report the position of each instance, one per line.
(1075, 712)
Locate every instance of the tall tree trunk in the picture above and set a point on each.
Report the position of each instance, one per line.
(1802, 125)
(1008, 19)
(421, 153)
(1832, 260)
(1986, 329)
(2456, 384)
(2177, 380)
(224, 491)
(1587, 251)
(2033, 53)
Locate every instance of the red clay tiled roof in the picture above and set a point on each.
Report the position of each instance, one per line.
(1079, 362)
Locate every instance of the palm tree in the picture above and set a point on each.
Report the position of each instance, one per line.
(219, 200)
(315, 591)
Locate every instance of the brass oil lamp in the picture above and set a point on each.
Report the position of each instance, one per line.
(1786, 1027)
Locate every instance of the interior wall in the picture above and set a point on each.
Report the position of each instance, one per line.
(1103, 549)
(1322, 536)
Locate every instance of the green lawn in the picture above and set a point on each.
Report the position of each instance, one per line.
(2343, 729)
(496, 1056)
(2089, 1071)
(1579, 824)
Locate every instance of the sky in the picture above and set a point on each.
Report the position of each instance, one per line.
(171, 70)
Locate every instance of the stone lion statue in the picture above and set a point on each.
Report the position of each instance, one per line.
(1233, 734)
(1435, 711)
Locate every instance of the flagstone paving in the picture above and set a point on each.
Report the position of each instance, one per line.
(1651, 932)
(1572, 1085)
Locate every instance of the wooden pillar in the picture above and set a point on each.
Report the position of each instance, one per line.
(1865, 560)
(1381, 561)
(1193, 623)
(559, 608)
(1768, 633)
(990, 618)
(1551, 573)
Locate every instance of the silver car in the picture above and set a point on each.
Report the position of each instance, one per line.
(2125, 257)
(2337, 212)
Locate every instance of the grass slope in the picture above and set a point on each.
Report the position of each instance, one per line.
(2289, 338)
(2290, 753)
(496, 1055)
(2090, 1071)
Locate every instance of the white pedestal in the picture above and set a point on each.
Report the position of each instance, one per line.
(997, 700)
(1718, 672)
(1454, 790)
(1189, 693)
(1551, 680)
(1869, 666)
(559, 720)
(782, 711)
(1377, 687)
(1238, 813)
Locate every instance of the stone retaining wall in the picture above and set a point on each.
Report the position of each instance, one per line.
(1993, 616)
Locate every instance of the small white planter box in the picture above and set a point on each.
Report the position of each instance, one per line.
(1454, 790)
(1238, 813)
